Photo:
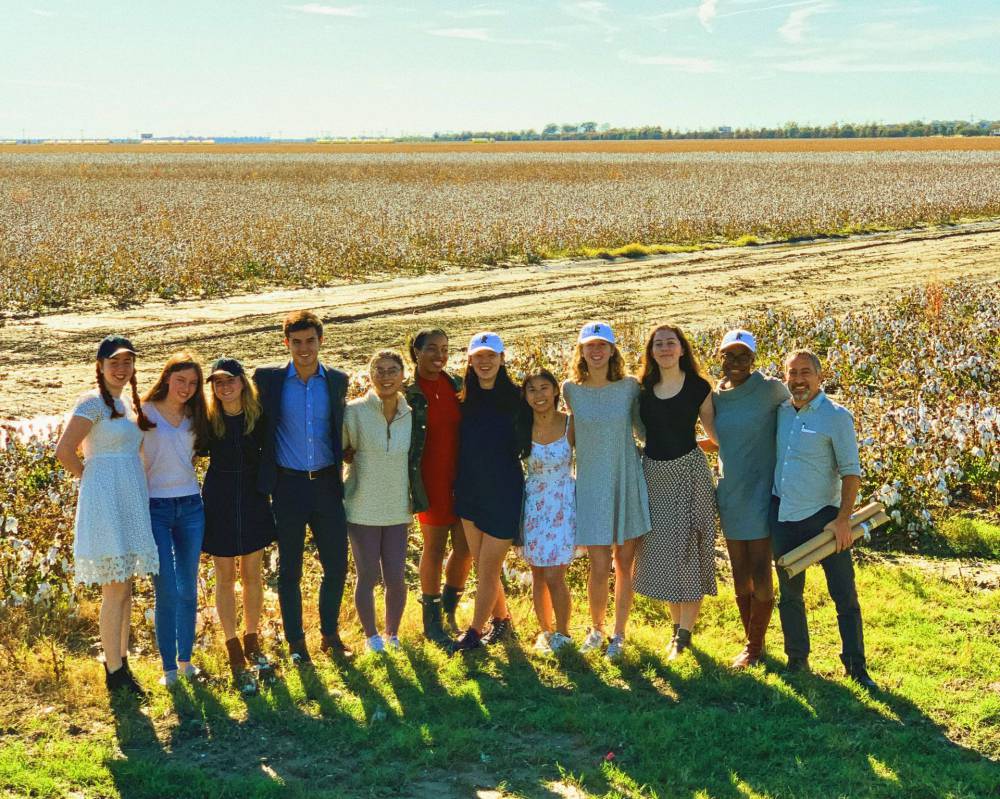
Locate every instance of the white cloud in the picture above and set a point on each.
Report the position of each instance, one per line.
(707, 11)
(484, 35)
(678, 63)
(836, 65)
(758, 9)
(794, 28)
(477, 11)
(479, 34)
(328, 10)
(591, 11)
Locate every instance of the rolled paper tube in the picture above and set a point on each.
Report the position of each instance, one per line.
(826, 534)
(824, 550)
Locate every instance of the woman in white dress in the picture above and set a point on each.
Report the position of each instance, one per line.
(113, 539)
(549, 519)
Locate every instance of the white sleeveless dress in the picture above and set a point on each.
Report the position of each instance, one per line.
(549, 520)
(113, 538)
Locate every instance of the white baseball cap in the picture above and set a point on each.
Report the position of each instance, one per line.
(485, 340)
(734, 337)
(596, 331)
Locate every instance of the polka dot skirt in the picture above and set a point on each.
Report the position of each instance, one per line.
(675, 561)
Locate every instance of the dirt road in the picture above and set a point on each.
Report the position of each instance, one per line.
(45, 362)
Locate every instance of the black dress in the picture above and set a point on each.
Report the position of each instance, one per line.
(489, 489)
(238, 518)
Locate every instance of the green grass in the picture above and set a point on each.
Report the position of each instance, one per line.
(643, 250)
(420, 724)
(970, 537)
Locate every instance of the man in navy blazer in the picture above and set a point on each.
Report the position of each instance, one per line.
(304, 404)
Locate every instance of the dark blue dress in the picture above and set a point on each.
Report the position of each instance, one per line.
(238, 518)
(489, 489)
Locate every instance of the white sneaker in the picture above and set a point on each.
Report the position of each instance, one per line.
(557, 641)
(169, 678)
(615, 647)
(392, 642)
(542, 641)
(190, 672)
(375, 644)
(594, 640)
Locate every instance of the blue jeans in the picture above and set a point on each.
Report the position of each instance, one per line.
(178, 529)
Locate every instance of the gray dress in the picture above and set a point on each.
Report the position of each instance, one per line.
(611, 500)
(745, 421)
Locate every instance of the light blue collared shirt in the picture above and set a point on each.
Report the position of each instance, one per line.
(817, 447)
(304, 440)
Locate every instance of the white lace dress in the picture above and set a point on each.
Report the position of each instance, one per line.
(549, 520)
(113, 539)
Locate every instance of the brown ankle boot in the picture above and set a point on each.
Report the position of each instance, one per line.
(743, 603)
(251, 648)
(760, 618)
(237, 660)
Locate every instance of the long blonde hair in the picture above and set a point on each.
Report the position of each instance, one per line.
(578, 370)
(249, 401)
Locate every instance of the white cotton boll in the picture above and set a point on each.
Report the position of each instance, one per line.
(149, 616)
(897, 517)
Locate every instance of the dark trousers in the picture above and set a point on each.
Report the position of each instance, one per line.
(839, 570)
(298, 502)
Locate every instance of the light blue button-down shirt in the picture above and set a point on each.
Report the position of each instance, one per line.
(304, 440)
(817, 447)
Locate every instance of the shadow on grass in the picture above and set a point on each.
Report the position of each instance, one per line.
(697, 726)
(416, 723)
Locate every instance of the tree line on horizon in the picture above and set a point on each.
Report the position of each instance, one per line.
(790, 130)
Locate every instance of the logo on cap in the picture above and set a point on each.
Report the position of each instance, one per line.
(596, 330)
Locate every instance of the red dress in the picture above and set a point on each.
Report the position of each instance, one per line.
(438, 465)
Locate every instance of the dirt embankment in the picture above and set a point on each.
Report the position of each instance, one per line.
(45, 362)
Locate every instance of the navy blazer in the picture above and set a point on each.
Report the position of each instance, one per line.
(270, 380)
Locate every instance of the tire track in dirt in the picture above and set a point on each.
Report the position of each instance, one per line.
(46, 361)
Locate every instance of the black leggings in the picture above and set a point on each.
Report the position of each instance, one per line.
(751, 561)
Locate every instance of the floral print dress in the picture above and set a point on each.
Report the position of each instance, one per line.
(550, 504)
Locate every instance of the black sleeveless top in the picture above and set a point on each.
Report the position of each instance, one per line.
(670, 423)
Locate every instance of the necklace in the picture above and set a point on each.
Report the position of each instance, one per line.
(437, 386)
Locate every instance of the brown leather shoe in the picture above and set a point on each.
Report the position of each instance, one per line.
(334, 646)
(760, 617)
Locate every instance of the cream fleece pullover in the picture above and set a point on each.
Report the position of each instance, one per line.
(377, 488)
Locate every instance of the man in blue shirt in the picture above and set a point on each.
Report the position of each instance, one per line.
(816, 480)
(304, 409)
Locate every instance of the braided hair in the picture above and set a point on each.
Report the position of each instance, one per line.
(143, 422)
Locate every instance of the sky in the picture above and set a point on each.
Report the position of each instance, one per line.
(97, 68)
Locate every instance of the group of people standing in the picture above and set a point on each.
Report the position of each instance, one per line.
(485, 464)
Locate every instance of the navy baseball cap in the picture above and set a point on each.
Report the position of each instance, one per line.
(112, 346)
(225, 366)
